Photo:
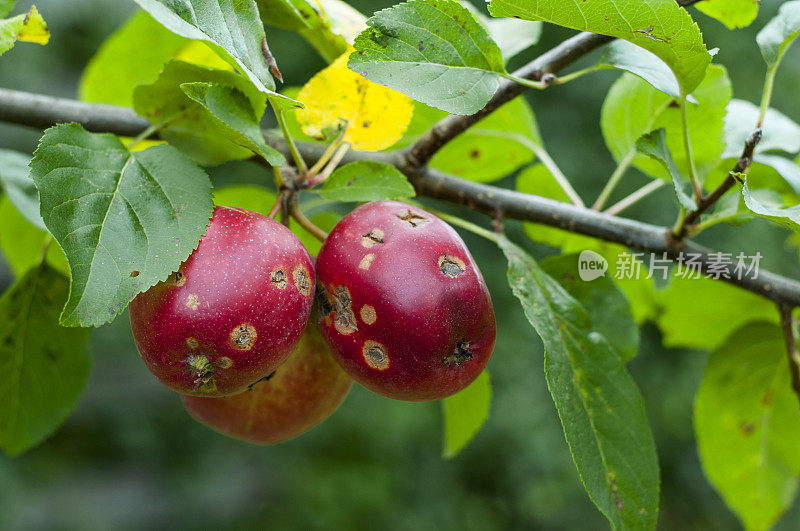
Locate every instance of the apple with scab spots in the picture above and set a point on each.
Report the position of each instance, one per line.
(302, 392)
(232, 313)
(404, 307)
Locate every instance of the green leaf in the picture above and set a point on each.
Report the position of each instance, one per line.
(686, 324)
(634, 108)
(624, 55)
(607, 307)
(290, 15)
(747, 426)
(493, 147)
(125, 220)
(366, 181)
(600, 407)
(232, 28)
(511, 35)
(640, 291)
(6, 6)
(18, 186)
(654, 145)
(233, 109)
(489, 150)
(421, 121)
(133, 55)
(789, 170)
(779, 132)
(659, 26)
(785, 217)
(328, 30)
(45, 366)
(22, 242)
(191, 127)
(433, 51)
(28, 27)
(732, 13)
(465, 413)
(780, 33)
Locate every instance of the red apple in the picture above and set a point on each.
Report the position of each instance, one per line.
(405, 309)
(232, 313)
(303, 392)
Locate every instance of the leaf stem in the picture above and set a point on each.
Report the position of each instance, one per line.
(329, 152)
(560, 80)
(306, 223)
(541, 152)
(337, 157)
(150, 131)
(48, 240)
(468, 225)
(298, 158)
(558, 175)
(636, 196)
(687, 146)
(766, 95)
(613, 181)
(546, 81)
(700, 227)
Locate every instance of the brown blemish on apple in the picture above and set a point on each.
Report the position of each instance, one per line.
(243, 337)
(203, 371)
(225, 362)
(341, 309)
(278, 277)
(177, 279)
(375, 355)
(366, 261)
(372, 238)
(192, 302)
(412, 218)
(301, 281)
(192, 343)
(461, 354)
(451, 266)
(368, 314)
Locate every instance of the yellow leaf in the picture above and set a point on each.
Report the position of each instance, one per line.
(34, 28)
(199, 53)
(375, 116)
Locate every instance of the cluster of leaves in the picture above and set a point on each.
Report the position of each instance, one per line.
(92, 219)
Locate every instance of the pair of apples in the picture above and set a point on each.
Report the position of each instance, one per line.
(402, 308)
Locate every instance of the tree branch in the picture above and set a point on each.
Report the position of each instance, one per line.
(704, 203)
(496, 202)
(540, 69)
(791, 346)
(569, 51)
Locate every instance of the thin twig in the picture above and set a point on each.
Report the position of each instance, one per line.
(704, 203)
(792, 354)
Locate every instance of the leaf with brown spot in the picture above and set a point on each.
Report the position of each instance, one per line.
(747, 425)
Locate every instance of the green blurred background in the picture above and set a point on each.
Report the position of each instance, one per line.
(130, 457)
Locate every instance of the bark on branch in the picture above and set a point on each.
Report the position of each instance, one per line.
(45, 111)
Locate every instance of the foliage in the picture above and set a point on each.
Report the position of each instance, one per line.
(90, 219)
